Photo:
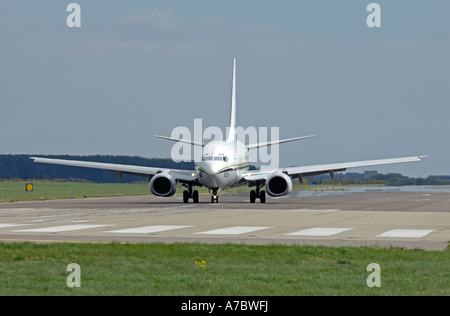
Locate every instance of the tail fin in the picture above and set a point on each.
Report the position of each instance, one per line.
(232, 131)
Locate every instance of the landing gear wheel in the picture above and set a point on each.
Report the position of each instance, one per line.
(262, 196)
(185, 196)
(258, 194)
(214, 195)
(252, 196)
(195, 196)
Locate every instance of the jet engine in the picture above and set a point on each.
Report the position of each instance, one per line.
(278, 184)
(163, 185)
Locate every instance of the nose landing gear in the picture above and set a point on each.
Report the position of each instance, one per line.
(214, 196)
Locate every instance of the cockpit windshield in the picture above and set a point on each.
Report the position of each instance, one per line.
(215, 158)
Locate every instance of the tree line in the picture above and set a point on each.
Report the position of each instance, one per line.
(22, 167)
(390, 179)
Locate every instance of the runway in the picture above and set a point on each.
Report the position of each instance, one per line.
(410, 220)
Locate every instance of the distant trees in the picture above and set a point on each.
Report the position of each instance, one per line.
(22, 167)
(390, 179)
(397, 179)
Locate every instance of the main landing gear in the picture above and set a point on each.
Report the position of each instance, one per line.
(193, 194)
(258, 194)
(190, 194)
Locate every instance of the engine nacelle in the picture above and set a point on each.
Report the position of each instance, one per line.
(278, 184)
(163, 185)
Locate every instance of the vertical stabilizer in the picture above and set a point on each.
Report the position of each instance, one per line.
(232, 130)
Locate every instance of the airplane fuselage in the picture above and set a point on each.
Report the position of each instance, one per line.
(223, 164)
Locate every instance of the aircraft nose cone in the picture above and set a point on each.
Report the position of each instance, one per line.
(211, 168)
(208, 174)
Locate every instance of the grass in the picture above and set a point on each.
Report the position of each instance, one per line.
(171, 269)
(15, 190)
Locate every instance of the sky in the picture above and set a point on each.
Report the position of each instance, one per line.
(135, 69)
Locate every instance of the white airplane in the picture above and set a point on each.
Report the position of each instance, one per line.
(225, 164)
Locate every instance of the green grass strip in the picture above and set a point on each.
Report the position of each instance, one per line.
(199, 269)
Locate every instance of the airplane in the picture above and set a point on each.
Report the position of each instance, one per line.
(225, 164)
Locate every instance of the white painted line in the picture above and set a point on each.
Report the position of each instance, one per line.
(147, 229)
(235, 230)
(59, 221)
(58, 215)
(406, 233)
(12, 225)
(58, 229)
(319, 231)
(308, 210)
(180, 206)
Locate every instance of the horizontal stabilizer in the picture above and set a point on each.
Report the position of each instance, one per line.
(275, 142)
(181, 140)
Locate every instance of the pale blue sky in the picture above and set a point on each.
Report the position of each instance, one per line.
(139, 68)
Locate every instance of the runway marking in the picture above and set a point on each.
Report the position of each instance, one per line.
(6, 225)
(406, 233)
(309, 210)
(235, 230)
(58, 229)
(147, 229)
(59, 221)
(320, 231)
(56, 215)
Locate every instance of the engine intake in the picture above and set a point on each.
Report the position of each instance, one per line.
(163, 185)
(278, 184)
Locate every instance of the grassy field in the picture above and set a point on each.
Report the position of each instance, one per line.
(15, 190)
(171, 269)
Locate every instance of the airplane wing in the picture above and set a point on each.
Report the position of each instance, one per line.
(183, 176)
(312, 170)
